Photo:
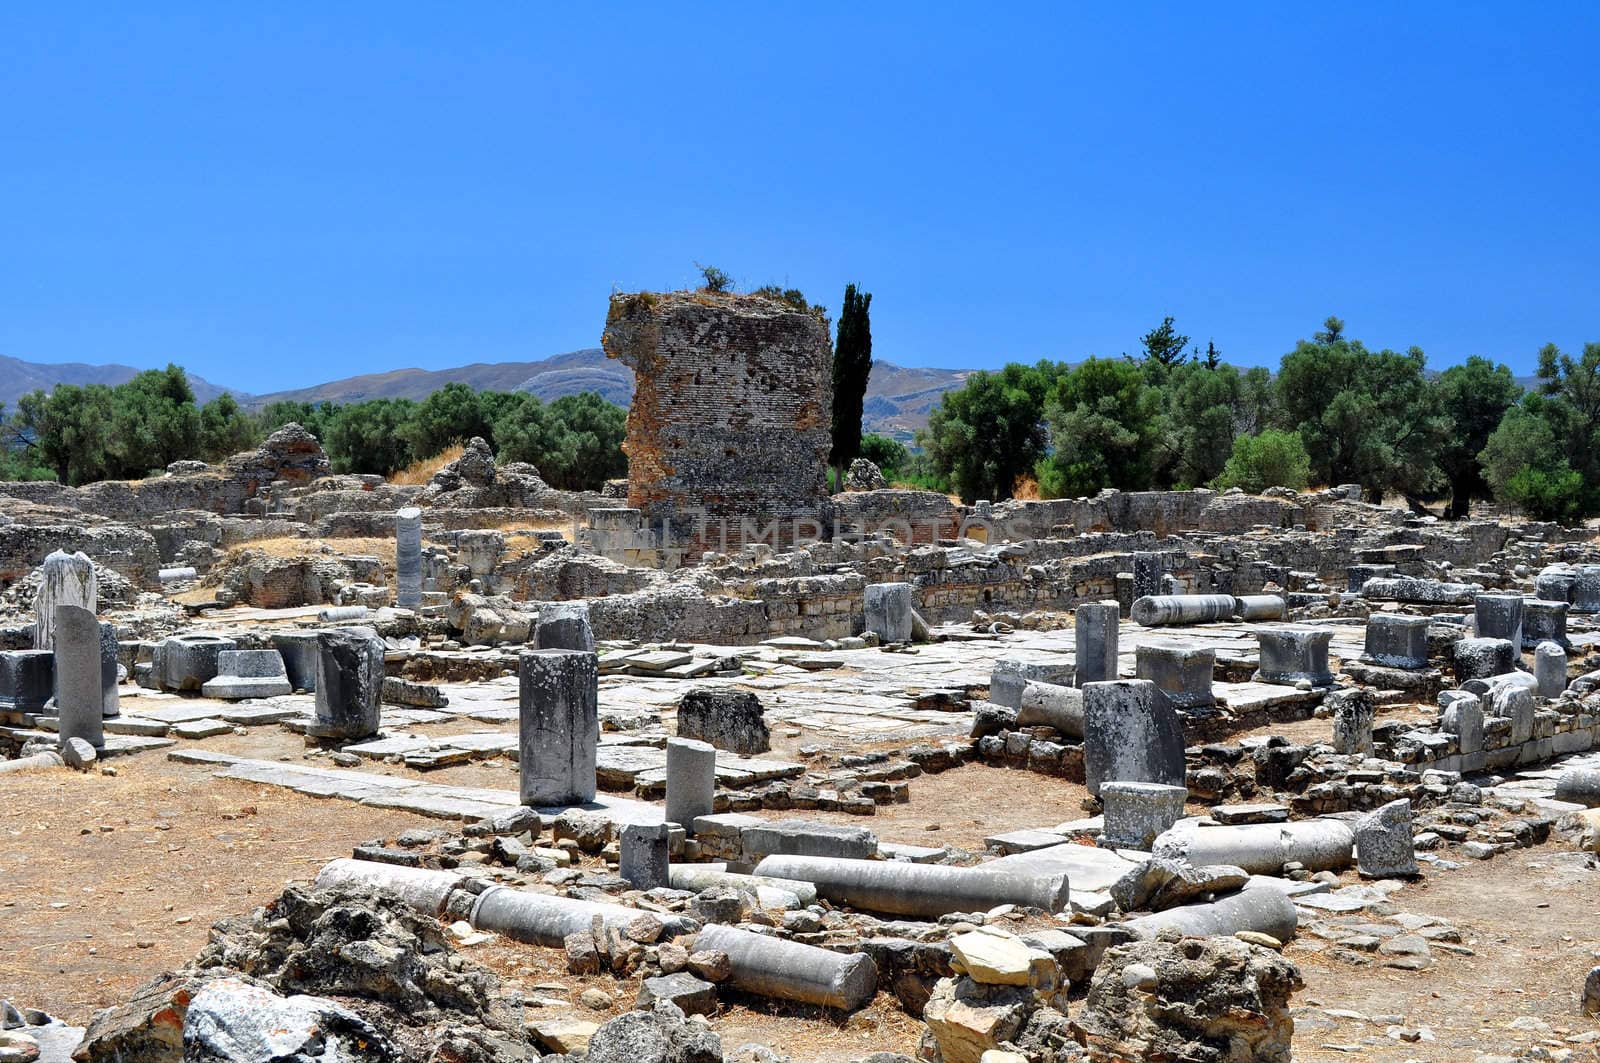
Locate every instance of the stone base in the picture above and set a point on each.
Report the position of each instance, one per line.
(238, 687)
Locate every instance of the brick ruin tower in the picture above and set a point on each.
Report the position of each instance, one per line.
(733, 396)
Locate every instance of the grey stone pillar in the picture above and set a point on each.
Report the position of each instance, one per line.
(110, 703)
(1095, 641)
(643, 855)
(65, 579)
(1586, 589)
(349, 684)
(1353, 711)
(558, 725)
(1499, 616)
(1257, 607)
(76, 634)
(888, 611)
(1182, 672)
(1397, 641)
(1146, 575)
(1131, 733)
(408, 558)
(1290, 654)
(691, 781)
(1549, 670)
(564, 626)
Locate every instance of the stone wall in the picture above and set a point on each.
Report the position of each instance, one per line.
(731, 408)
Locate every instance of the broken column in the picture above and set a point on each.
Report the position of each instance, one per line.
(564, 626)
(558, 725)
(1352, 711)
(349, 684)
(1499, 616)
(1383, 842)
(1292, 654)
(899, 887)
(1549, 670)
(1147, 569)
(1095, 641)
(408, 558)
(1182, 672)
(1135, 813)
(691, 781)
(1256, 607)
(110, 704)
(1170, 609)
(76, 635)
(1397, 641)
(64, 579)
(1050, 705)
(1131, 733)
(642, 855)
(734, 720)
(1009, 676)
(888, 611)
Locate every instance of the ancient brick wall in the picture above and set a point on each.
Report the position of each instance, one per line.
(731, 408)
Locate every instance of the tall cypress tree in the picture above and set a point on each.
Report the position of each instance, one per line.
(852, 365)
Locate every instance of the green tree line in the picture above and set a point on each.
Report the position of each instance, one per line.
(1335, 412)
(78, 435)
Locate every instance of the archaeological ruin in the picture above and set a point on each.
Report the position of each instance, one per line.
(713, 765)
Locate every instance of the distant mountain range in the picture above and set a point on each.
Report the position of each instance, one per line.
(898, 398)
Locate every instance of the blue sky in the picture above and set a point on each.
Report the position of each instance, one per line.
(281, 194)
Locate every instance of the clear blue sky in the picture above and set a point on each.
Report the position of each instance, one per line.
(278, 194)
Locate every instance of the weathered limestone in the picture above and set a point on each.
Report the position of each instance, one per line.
(1009, 676)
(888, 611)
(1182, 672)
(65, 579)
(1463, 717)
(248, 674)
(1095, 641)
(109, 671)
(1261, 909)
(788, 970)
(1397, 641)
(1136, 813)
(27, 679)
(1171, 609)
(1586, 589)
(1549, 669)
(642, 852)
(1356, 576)
(185, 662)
(1544, 621)
(1481, 658)
(408, 558)
(1421, 591)
(1261, 848)
(564, 626)
(559, 726)
(1292, 654)
(1580, 786)
(1353, 711)
(1383, 842)
(1131, 733)
(1499, 616)
(691, 780)
(299, 652)
(349, 684)
(75, 633)
(897, 887)
(729, 719)
(1257, 607)
(1049, 705)
(1147, 571)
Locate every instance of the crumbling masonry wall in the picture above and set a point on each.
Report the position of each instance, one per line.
(731, 409)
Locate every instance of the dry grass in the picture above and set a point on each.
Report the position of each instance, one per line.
(420, 472)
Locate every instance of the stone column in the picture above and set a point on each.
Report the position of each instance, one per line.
(888, 609)
(1290, 654)
(1146, 575)
(1499, 617)
(1161, 610)
(1353, 711)
(691, 781)
(564, 626)
(349, 684)
(1183, 673)
(643, 855)
(1095, 641)
(1549, 670)
(1009, 675)
(76, 634)
(408, 558)
(1131, 733)
(559, 726)
(109, 701)
(65, 579)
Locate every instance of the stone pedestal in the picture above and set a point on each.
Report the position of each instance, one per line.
(1397, 641)
(408, 558)
(1352, 711)
(1356, 576)
(27, 679)
(1481, 658)
(248, 674)
(691, 781)
(1095, 641)
(1544, 621)
(65, 579)
(559, 726)
(643, 852)
(1499, 616)
(564, 626)
(1009, 675)
(888, 611)
(1131, 733)
(110, 702)
(1586, 589)
(1549, 670)
(734, 720)
(299, 652)
(349, 684)
(1292, 654)
(76, 635)
(1182, 673)
(185, 662)
(1136, 812)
